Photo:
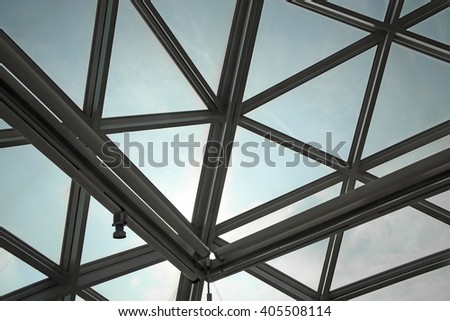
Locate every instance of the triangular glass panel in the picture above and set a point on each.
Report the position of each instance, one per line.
(431, 286)
(244, 287)
(143, 79)
(282, 214)
(411, 157)
(57, 35)
(291, 39)
(389, 241)
(375, 9)
(164, 157)
(77, 298)
(155, 283)
(442, 200)
(413, 97)
(33, 193)
(436, 27)
(411, 5)
(3, 124)
(98, 240)
(268, 168)
(15, 274)
(203, 31)
(304, 265)
(324, 110)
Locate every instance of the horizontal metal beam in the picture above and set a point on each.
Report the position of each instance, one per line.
(157, 121)
(10, 137)
(424, 12)
(279, 203)
(43, 290)
(31, 256)
(356, 207)
(89, 294)
(296, 145)
(392, 276)
(159, 27)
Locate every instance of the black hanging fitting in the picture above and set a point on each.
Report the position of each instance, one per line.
(119, 221)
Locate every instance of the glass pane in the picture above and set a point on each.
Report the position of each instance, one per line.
(431, 286)
(3, 124)
(411, 157)
(389, 241)
(442, 200)
(282, 214)
(324, 110)
(284, 171)
(413, 97)
(155, 283)
(411, 5)
(244, 287)
(57, 35)
(374, 9)
(33, 192)
(77, 298)
(171, 158)
(436, 27)
(143, 79)
(280, 49)
(98, 241)
(304, 265)
(15, 274)
(202, 29)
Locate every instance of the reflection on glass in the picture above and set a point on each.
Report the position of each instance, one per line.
(436, 27)
(155, 283)
(374, 9)
(203, 31)
(324, 110)
(411, 157)
(282, 214)
(3, 124)
(165, 157)
(304, 265)
(15, 274)
(244, 287)
(33, 192)
(261, 170)
(98, 241)
(431, 286)
(413, 97)
(387, 242)
(442, 200)
(290, 39)
(143, 79)
(411, 5)
(57, 35)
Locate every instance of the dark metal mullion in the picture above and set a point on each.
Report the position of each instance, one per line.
(311, 72)
(90, 294)
(422, 13)
(156, 121)
(177, 53)
(31, 290)
(296, 145)
(10, 137)
(31, 256)
(279, 203)
(392, 276)
(423, 44)
(342, 14)
(354, 208)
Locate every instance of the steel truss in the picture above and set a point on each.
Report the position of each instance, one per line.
(41, 114)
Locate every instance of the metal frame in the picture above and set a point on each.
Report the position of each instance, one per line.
(71, 138)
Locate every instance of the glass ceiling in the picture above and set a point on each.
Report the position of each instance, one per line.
(300, 144)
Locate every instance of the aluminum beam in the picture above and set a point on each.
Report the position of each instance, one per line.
(153, 19)
(91, 295)
(10, 138)
(380, 197)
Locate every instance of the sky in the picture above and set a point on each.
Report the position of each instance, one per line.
(143, 80)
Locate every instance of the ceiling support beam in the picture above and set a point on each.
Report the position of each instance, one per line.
(230, 93)
(392, 276)
(89, 294)
(356, 207)
(159, 27)
(10, 138)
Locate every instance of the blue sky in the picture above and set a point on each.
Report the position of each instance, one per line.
(144, 79)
